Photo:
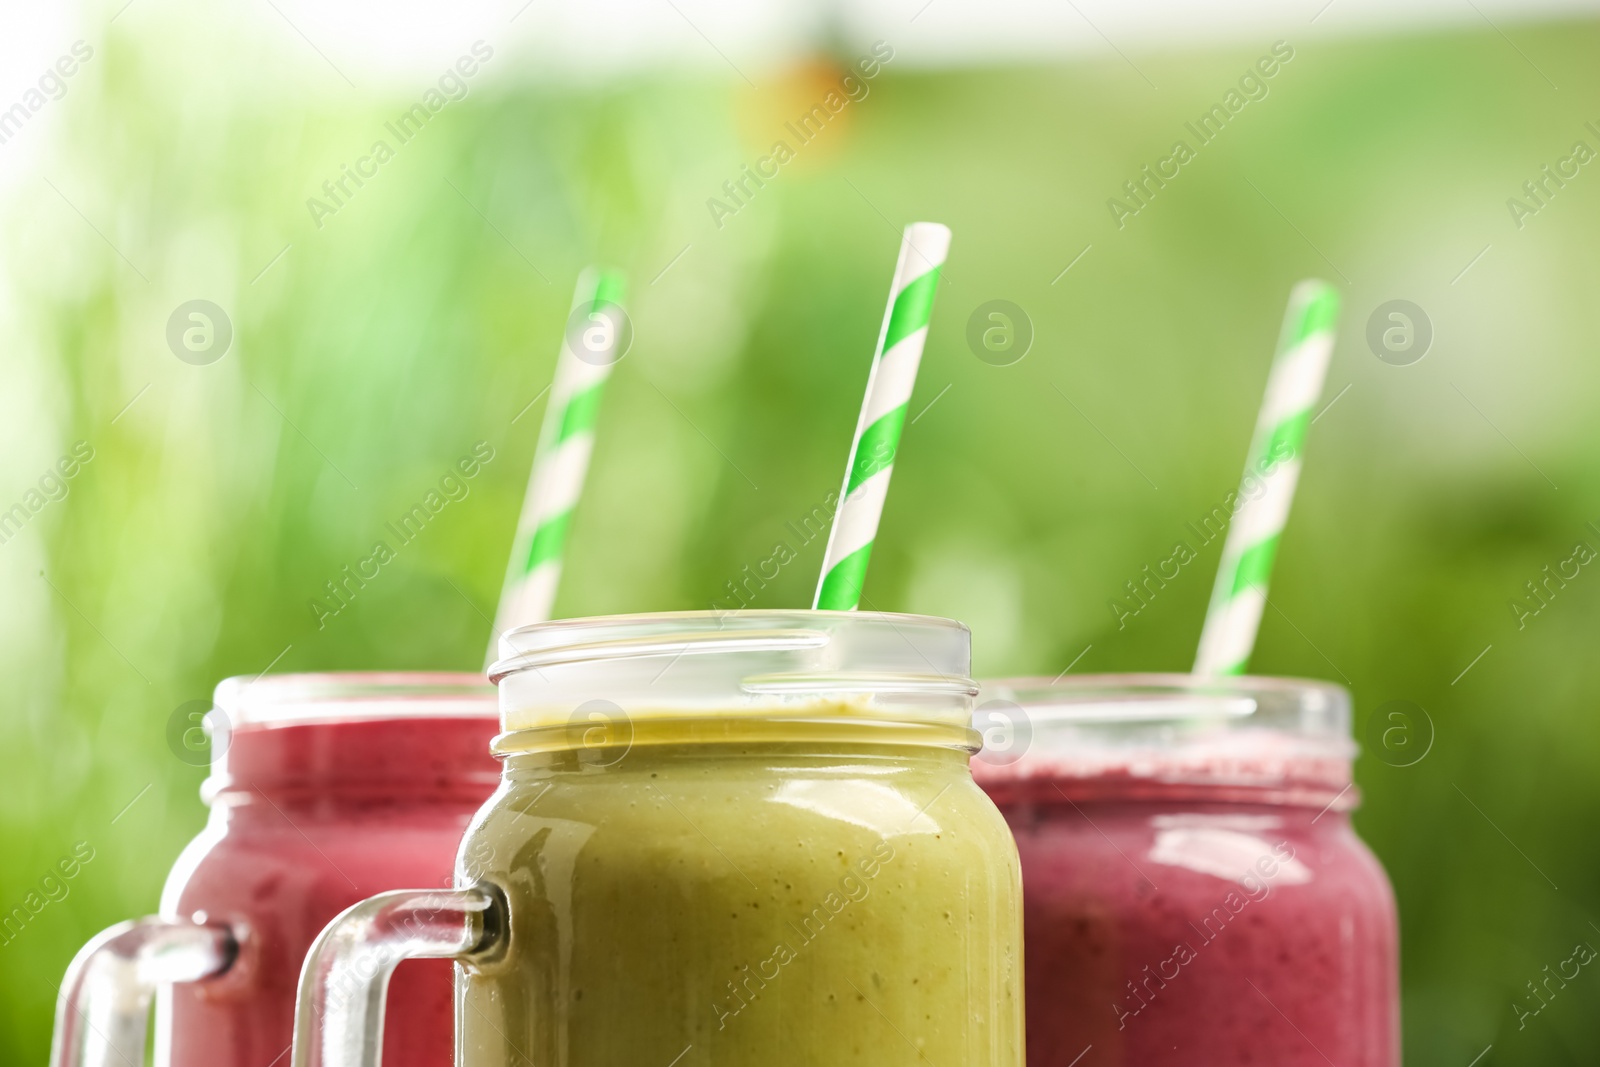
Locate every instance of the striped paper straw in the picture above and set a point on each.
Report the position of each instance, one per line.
(1270, 473)
(562, 457)
(883, 413)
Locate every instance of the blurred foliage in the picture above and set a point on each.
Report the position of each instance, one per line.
(423, 316)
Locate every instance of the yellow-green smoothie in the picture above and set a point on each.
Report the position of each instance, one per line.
(816, 890)
(720, 839)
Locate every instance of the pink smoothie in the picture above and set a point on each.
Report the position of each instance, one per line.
(308, 816)
(1197, 901)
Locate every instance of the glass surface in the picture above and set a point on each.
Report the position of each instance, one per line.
(765, 847)
(847, 665)
(1193, 891)
(331, 788)
(1160, 733)
(347, 696)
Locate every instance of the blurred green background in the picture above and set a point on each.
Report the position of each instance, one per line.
(371, 352)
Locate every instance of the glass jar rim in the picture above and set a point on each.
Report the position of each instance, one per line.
(1323, 708)
(350, 696)
(1171, 731)
(749, 664)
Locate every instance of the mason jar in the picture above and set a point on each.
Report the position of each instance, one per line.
(719, 839)
(324, 789)
(1193, 890)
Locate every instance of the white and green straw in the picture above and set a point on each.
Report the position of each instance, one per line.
(561, 458)
(883, 414)
(1272, 468)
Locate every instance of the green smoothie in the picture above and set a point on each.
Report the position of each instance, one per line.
(745, 892)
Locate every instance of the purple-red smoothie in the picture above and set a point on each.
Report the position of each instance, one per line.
(314, 806)
(1193, 892)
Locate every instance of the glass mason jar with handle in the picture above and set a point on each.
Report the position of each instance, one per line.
(719, 839)
(324, 789)
(1194, 893)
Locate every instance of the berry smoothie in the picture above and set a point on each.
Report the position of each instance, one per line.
(331, 788)
(1193, 892)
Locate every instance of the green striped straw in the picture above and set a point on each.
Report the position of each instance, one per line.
(883, 413)
(562, 457)
(1271, 471)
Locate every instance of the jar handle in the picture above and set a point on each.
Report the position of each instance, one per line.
(103, 1011)
(338, 1014)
